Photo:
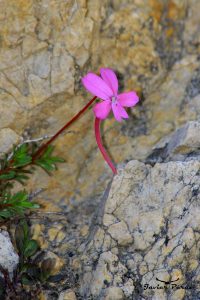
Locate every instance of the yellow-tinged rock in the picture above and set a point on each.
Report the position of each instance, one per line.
(84, 230)
(67, 295)
(193, 264)
(57, 262)
(56, 234)
(178, 294)
(42, 296)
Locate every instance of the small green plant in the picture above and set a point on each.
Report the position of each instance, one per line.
(18, 167)
(31, 273)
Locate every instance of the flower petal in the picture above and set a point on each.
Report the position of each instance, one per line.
(96, 86)
(119, 112)
(128, 99)
(102, 109)
(110, 78)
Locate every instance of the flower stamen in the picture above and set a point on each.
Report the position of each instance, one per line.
(113, 99)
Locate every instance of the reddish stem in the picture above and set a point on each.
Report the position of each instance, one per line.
(44, 146)
(4, 205)
(100, 145)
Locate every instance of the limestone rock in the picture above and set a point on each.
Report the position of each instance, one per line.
(119, 232)
(8, 257)
(67, 295)
(183, 144)
(53, 262)
(45, 48)
(114, 293)
(186, 139)
(8, 139)
(160, 207)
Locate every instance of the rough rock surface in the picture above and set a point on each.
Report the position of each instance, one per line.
(145, 243)
(153, 45)
(45, 48)
(183, 144)
(149, 230)
(67, 295)
(8, 257)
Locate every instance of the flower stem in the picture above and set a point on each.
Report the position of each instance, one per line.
(100, 145)
(44, 146)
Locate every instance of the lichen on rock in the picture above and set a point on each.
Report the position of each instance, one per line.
(160, 208)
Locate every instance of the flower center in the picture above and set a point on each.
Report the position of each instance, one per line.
(113, 99)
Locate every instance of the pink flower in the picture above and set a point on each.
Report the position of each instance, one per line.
(106, 88)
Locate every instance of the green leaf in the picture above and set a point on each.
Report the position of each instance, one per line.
(56, 159)
(48, 162)
(27, 204)
(20, 196)
(16, 204)
(31, 248)
(21, 235)
(5, 213)
(19, 238)
(23, 161)
(46, 268)
(25, 171)
(21, 177)
(45, 165)
(21, 156)
(9, 175)
(48, 151)
(35, 205)
(26, 280)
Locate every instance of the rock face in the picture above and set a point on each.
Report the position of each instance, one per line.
(183, 144)
(67, 295)
(146, 243)
(143, 239)
(149, 233)
(148, 227)
(45, 48)
(8, 257)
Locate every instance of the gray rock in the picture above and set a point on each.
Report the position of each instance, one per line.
(67, 295)
(114, 293)
(8, 257)
(185, 140)
(182, 145)
(159, 207)
(8, 139)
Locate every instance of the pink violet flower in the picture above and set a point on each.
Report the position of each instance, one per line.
(106, 88)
